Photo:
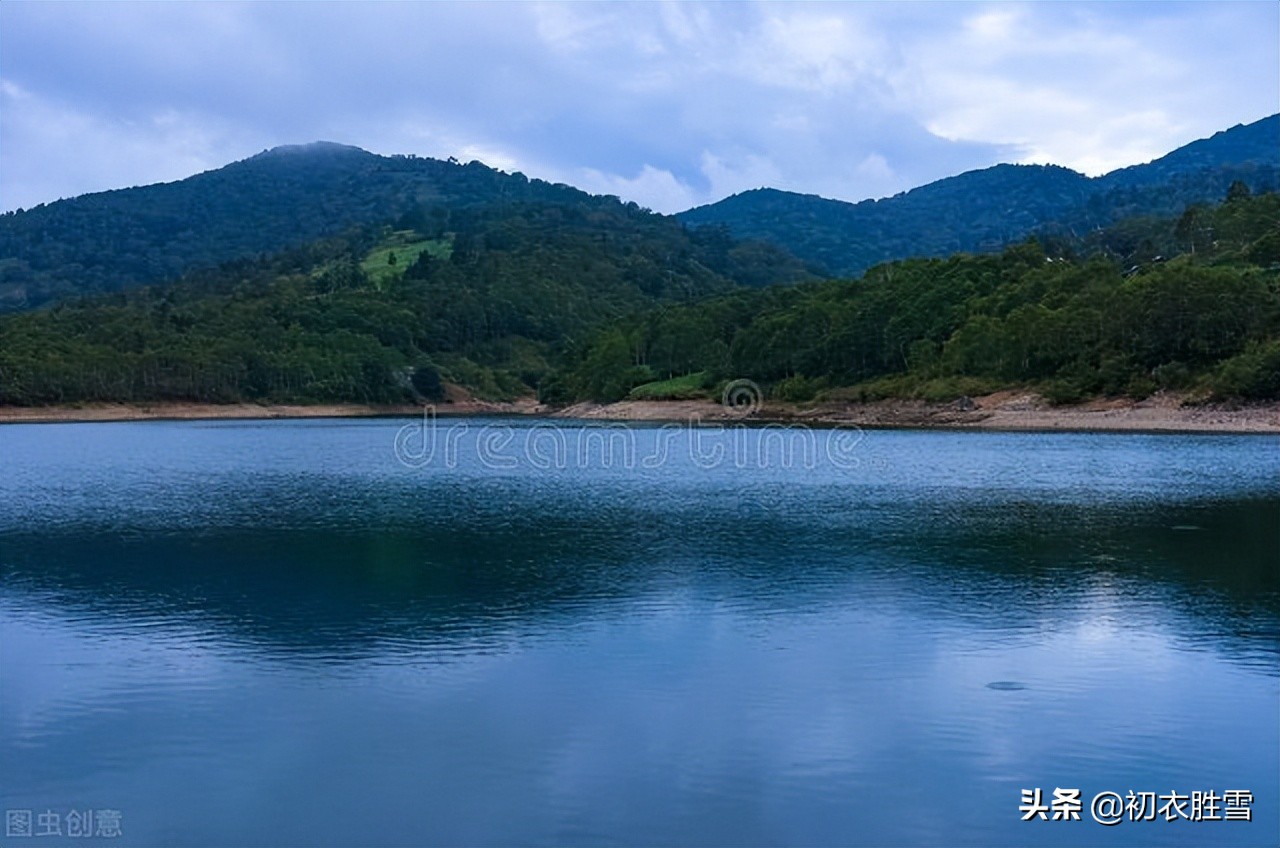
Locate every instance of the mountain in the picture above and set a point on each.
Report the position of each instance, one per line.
(1242, 145)
(281, 198)
(978, 210)
(1202, 319)
(484, 294)
(290, 196)
(986, 209)
(599, 300)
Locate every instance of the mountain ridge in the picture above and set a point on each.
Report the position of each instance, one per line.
(1006, 202)
(289, 195)
(279, 199)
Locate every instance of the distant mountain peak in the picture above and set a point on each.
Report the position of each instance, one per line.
(1258, 142)
(324, 148)
(988, 208)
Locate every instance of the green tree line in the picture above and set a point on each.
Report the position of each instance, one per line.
(1109, 314)
(513, 286)
(596, 301)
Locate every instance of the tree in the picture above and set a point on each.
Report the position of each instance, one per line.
(426, 382)
(1192, 228)
(1238, 191)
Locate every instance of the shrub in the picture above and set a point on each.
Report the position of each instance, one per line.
(426, 381)
(798, 389)
(1252, 375)
(1063, 391)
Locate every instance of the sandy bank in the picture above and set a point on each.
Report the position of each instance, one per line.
(1001, 411)
(202, 411)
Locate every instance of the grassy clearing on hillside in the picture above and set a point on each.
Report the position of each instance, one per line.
(407, 247)
(677, 388)
(914, 387)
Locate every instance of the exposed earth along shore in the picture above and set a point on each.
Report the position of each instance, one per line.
(1000, 411)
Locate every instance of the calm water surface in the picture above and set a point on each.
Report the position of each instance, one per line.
(280, 633)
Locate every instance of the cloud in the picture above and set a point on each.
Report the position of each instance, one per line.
(651, 188)
(52, 150)
(1094, 87)
(667, 104)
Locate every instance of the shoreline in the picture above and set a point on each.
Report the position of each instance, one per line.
(91, 413)
(1003, 411)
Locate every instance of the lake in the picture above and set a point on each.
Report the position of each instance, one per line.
(493, 632)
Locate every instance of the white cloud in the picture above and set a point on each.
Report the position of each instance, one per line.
(1089, 87)
(730, 174)
(875, 168)
(652, 188)
(667, 104)
(53, 151)
(822, 53)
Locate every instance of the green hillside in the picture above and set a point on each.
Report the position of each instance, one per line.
(282, 198)
(485, 296)
(405, 274)
(567, 301)
(1074, 323)
(988, 209)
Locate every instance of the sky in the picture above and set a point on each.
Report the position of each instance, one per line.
(671, 105)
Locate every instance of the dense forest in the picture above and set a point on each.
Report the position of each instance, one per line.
(1115, 313)
(597, 300)
(281, 198)
(987, 209)
(484, 296)
(291, 196)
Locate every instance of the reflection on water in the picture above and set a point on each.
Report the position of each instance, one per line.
(277, 632)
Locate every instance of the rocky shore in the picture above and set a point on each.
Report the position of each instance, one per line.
(1008, 411)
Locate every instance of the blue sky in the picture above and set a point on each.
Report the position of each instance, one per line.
(671, 105)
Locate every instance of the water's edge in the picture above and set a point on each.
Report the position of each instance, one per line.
(1003, 416)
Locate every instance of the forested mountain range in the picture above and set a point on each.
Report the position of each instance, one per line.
(290, 196)
(1081, 321)
(531, 297)
(986, 209)
(324, 273)
(486, 296)
(282, 198)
